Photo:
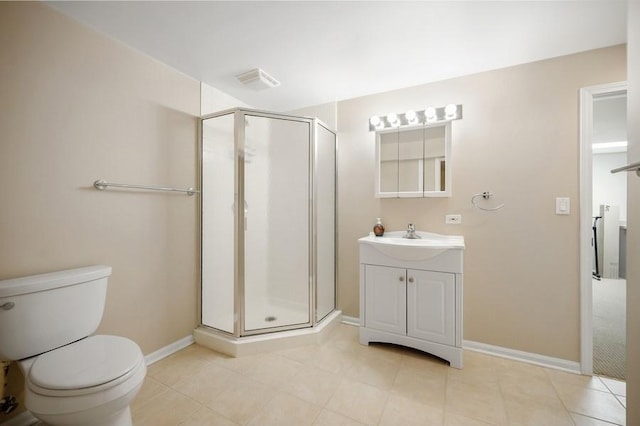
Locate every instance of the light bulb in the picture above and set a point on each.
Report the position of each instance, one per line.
(430, 113)
(411, 116)
(450, 110)
(375, 121)
(392, 118)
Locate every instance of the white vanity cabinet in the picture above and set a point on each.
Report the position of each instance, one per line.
(412, 296)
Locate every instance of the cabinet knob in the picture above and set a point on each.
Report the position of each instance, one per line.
(401, 279)
(410, 279)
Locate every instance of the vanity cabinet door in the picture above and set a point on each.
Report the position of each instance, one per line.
(386, 299)
(431, 306)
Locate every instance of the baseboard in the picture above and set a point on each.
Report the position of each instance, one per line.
(513, 354)
(23, 419)
(528, 357)
(169, 349)
(350, 320)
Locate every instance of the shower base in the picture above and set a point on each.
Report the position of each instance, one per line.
(268, 342)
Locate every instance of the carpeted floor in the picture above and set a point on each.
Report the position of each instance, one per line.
(609, 327)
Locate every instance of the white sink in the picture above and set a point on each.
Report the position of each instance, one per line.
(429, 245)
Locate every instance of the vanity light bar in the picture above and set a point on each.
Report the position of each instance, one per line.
(411, 118)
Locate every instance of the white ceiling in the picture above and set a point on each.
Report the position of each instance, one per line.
(323, 51)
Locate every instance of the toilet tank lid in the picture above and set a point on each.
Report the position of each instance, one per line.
(41, 282)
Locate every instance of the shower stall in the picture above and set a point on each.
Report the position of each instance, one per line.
(268, 225)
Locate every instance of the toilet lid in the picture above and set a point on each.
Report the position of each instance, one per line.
(87, 363)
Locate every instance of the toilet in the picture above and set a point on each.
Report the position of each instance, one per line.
(72, 377)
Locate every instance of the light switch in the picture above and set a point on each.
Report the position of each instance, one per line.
(563, 205)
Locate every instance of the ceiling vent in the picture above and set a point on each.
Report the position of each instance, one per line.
(257, 79)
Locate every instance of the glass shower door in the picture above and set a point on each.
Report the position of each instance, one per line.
(325, 202)
(276, 161)
(218, 220)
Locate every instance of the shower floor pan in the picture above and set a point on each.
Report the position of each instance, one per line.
(268, 342)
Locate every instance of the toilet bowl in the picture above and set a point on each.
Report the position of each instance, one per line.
(85, 382)
(71, 376)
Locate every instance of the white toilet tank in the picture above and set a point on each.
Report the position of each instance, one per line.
(43, 312)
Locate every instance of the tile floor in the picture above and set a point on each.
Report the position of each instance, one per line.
(344, 383)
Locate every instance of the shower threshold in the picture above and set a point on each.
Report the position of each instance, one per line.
(268, 342)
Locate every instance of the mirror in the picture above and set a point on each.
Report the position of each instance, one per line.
(414, 161)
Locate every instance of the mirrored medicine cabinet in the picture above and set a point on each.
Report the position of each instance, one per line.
(414, 161)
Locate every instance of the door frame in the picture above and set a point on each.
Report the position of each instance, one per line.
(587, 96)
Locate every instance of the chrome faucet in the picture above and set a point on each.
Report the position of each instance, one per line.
(411, 233)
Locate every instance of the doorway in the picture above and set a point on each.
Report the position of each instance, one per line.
(603, 230)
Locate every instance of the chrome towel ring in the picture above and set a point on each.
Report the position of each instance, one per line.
(485, 195)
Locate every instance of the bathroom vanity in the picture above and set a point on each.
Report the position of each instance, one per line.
(411, 292)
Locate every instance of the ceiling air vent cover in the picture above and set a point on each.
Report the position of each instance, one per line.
(257, 79)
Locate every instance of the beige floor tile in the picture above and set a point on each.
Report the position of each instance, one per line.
(400, 411)
(535, 388)
(368, 384)
(207, 417)
(524, 411)
(478, 369)
(616, 387)
(592, 403)
(207, 384)
(377, 369)
(580, 420)
(151, 388)
(167, 408)
(313, 385)
(562, 378)
(425, 363)
(325, 357)
(284, 409)
(508, 367)
(301, 353)
(242, 399)
(421, 385)
(344, 338)
(185, 363)
(476, 401)
(332, 359)
(455, 419)
(331, 418)
(384, 351)
(274, 370)
(240, 364)
(358, 401)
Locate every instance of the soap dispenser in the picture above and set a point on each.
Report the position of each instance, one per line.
(378, 228)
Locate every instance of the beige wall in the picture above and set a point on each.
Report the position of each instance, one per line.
(633, 223)
(78, 106)
(519, 140)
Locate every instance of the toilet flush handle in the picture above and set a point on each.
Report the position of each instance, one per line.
(8, 305)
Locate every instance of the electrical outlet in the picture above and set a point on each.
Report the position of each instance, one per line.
(453, 219)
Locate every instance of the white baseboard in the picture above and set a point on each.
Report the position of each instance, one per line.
(350, 320)
(528, 357)
(169, 349)
(516, 355)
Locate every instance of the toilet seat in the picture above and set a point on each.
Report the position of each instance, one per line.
(88, 366)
